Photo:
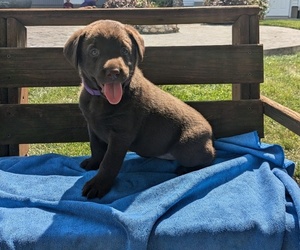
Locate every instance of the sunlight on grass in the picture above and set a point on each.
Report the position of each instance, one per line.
(200, 92)
(54, 95)
(70, 149)
(287, 23)
(282, 84)
(282, 80)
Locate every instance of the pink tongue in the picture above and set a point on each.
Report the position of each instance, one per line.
(113, 92)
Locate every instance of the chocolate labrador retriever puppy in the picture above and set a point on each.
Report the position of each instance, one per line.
(125, 111)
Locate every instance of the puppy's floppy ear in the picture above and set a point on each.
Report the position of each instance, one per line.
(137, 38)
(71, 47)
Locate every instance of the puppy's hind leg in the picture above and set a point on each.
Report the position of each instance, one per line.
(193, 156)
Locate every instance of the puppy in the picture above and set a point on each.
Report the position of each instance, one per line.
(124, 111)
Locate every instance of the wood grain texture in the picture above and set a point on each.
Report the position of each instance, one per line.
(3, 32)
(245, 30)
(283, 115)
(16, 36)
(43, 123)
(254, 29)
(16, 33)
(183, 15)
(162, 65)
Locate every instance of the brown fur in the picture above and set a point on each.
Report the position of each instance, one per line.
(147, 120)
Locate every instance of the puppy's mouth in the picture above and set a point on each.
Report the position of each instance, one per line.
(113, 92)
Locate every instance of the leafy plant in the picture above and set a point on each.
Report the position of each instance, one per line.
(125, 4)
(263, 4)
(141, 3)
(163, 3)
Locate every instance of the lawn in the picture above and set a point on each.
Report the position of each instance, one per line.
(287, 23)
(282, 84)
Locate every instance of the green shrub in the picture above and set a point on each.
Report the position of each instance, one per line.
(119, 4)
(141, 3)
(163, 3)
(263, 4)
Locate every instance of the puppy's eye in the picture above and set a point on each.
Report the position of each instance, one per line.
(94, 52)
(124, 51)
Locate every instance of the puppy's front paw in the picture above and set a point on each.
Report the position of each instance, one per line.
(96, 188)
(90, 164)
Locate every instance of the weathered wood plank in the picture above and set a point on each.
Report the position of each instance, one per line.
(42, 123)
(254, 29)
(240, 30)
(162, 65)
(16, 36)
(245, 31)
(16, 33)
(3, 33)
(4, 149)
(211, 14)
(204, 64)
(283, 115)
(45, 123)
(230, 118)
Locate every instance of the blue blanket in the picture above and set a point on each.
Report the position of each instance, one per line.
(245, 200)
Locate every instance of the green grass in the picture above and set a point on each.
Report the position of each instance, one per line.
(54, 95)
(287, 23)
(282, 84)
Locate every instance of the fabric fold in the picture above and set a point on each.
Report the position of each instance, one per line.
(245, 200)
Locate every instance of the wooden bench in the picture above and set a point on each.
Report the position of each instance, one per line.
(240, 64)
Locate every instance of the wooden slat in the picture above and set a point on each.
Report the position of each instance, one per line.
(283, 115)
(254, 29)
(32, 67)
(204, 64)
(3, 33)
(16, 33)
(229, 118)
(45, 123)
(245, 31)
(41, 123)
(16, 36)
(240, 30)
(177, 65)
(4, 150)
(211, 14)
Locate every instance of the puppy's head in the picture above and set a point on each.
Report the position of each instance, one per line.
(105, 53)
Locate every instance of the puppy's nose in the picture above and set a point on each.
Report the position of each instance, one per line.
(112, 73)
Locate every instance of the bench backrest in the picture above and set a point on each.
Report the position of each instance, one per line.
(239, 64)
